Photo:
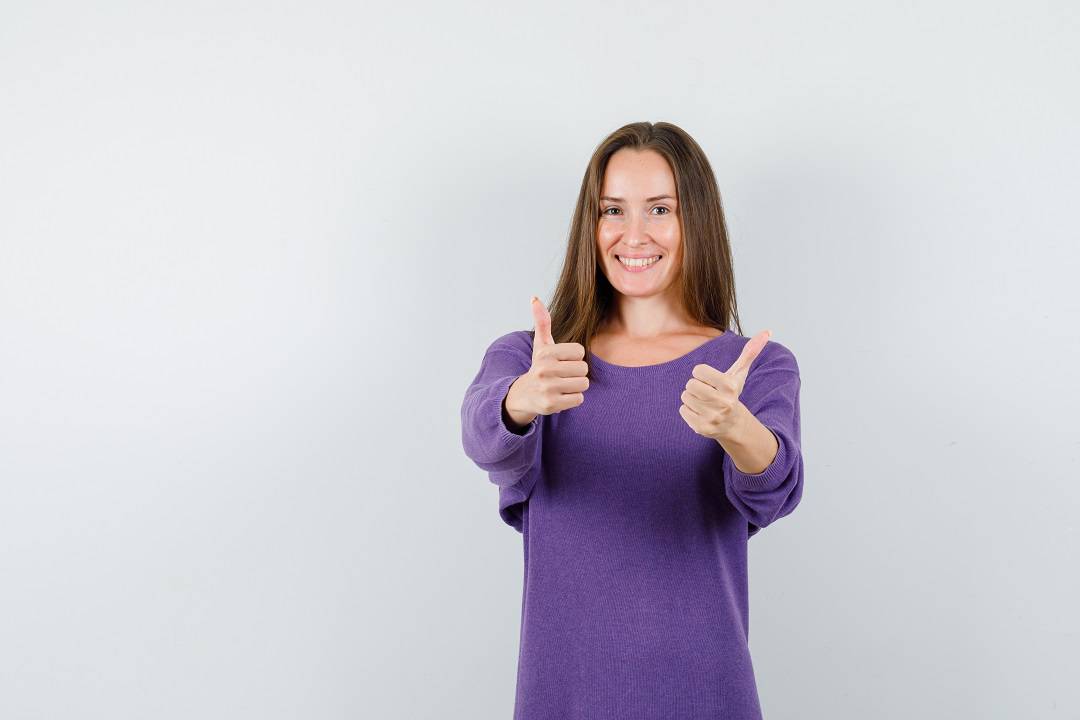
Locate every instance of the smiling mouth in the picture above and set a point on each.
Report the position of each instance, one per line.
(638, 263)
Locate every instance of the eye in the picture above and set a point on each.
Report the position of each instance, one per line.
(667, 211)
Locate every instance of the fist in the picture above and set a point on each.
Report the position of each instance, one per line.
(556, 380)
(711, 405)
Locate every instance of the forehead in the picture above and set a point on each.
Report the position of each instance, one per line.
(637, 174)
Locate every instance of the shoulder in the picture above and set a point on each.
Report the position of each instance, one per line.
(518, 342)
(775, 356)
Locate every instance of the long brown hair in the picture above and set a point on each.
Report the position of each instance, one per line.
(583, 295)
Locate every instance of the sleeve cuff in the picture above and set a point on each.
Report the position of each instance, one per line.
(771, 476)
(506, 438)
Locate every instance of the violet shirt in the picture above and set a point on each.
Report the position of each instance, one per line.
(635, 531)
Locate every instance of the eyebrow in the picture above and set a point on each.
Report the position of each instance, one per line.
(652, 199)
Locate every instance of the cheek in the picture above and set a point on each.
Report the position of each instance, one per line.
(673, 239)
(605, 236)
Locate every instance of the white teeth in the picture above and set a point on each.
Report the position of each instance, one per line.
(638, 262)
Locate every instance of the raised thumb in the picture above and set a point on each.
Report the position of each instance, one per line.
(542, 320)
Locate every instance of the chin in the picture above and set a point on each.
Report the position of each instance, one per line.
(639, 292)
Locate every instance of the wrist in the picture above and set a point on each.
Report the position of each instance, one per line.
(515, 419)
(737, 431)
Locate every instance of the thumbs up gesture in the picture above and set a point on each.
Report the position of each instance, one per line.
(555, 382)
(711, 405)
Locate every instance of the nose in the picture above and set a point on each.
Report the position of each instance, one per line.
(634, 234)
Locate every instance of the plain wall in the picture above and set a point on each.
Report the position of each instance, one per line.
(251, 256)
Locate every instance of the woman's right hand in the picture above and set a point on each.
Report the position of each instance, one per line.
(557, 379)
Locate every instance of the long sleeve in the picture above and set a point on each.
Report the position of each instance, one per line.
(771, 394)
(511, 459)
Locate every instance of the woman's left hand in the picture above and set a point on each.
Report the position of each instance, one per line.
(711, 405)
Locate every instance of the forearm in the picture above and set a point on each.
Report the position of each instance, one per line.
(751, 446)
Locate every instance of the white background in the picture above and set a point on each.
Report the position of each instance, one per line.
(251, 255)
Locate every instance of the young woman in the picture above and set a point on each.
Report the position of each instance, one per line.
(638, 443)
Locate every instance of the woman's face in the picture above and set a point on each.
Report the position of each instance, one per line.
(638, 219)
